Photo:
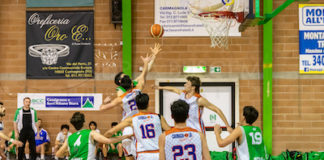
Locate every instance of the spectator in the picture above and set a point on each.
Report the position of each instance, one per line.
(116, 148)
(93, 126)
(61, 137)
(25, 127)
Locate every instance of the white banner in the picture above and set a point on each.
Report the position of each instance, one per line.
(311, 38)
(177, 20)
(62, 101)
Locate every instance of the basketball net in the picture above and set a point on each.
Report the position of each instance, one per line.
(218, 30)
(217, 22)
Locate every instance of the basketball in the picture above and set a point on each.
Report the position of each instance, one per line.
(156, 31)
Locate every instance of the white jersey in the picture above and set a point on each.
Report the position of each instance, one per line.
(129, 103)
(184, 143)
(147, 130)
(194, 120)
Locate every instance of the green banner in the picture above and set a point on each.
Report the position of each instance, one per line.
(58, 3)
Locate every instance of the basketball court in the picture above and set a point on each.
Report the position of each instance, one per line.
(262, 53)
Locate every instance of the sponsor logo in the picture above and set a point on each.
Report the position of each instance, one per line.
(181, 135)
(37, 101)
(87, 102)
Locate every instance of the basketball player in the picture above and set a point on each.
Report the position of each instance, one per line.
(182, 142)
(127, 100)
(191, 95)
(120, 90)
(82, 144)
(2, 135)
(248, 138)
(147, 128)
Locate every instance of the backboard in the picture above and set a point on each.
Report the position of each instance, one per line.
(182, 18)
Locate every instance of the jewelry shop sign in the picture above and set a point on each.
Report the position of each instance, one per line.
(311, 38)
(59, 45)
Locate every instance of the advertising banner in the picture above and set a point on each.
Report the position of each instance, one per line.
(311, 38)
(59, 45)
(62, 101)
(178, 21)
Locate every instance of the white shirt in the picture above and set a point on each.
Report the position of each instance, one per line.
(60, 136)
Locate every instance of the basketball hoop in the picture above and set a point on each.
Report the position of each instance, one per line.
(218, 17)
(218, 24)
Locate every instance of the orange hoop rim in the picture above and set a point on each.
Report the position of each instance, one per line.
(238, 16)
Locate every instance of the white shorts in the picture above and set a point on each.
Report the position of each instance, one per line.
(129, 144)
(146, 156)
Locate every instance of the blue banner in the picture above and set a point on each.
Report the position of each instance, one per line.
(311, 42)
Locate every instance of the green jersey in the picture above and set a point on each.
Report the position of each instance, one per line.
(119, 133)
(120, 88)
(81, 147)
(13, 149)
(252, 146)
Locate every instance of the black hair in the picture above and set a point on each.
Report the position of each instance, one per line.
(94, 123)
(126, 82)
(65, 126)
(250, 114)
(114, 124)
(179, 111)
(195, 81)
(118, 78)
(3, 113)
(142, 101)
(77, 120)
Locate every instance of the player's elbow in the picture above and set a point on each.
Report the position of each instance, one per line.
(221, 145)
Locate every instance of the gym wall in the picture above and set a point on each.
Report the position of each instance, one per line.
(298, 100)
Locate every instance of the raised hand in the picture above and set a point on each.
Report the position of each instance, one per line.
(107, 100)
(18, 143)
(146, 59)
(157, 49)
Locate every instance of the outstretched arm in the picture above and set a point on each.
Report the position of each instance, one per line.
(13, 141)
(102, 139)
(168, 88)
(205, 150)
(236, 134)
(204, 102)
(164, 124)
(61, 152)
(157, 49)
(110, 104)
(120, 126)
(161, 146)
(142, 77)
